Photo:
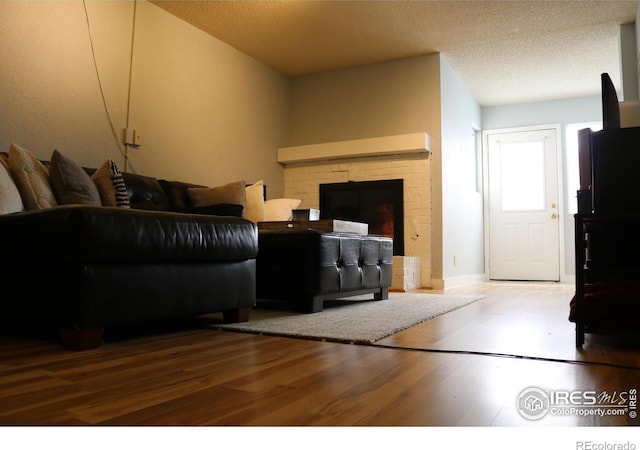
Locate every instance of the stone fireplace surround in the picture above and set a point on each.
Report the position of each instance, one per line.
(383, 158)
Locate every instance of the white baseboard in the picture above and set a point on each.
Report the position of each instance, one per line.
(464, 280)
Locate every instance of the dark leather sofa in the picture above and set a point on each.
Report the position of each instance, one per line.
(82, 268)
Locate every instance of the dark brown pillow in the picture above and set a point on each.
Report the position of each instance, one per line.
(177, 192)
(70, 183)
(231, 193)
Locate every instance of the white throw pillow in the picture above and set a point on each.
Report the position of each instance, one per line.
(10, 200)
(280, 209)
(254, 208)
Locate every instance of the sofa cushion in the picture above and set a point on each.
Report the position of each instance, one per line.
(110, 184)
(10, 200)
(145, 192)
(70, 182)
(231, 193)
(31, 178)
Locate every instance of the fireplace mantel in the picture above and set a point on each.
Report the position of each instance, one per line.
(357, 148)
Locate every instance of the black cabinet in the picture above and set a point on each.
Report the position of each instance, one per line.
(607, 233)
(607, 296)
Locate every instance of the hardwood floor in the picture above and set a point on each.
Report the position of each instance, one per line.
(466, 368)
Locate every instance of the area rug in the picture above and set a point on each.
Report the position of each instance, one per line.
(358, 321)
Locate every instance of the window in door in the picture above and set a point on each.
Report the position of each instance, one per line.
(522, 167)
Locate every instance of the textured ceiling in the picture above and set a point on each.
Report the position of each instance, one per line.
(505, 51)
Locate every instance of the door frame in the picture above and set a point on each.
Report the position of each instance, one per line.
(561, 194)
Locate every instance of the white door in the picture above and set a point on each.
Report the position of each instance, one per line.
(523, 206)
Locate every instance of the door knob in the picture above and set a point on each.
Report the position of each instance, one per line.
(554, 216)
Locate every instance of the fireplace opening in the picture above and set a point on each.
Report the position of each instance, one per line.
(379, 204)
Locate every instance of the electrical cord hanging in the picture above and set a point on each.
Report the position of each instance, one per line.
(114, 133)
(133, 35)
(445, 351)
(503, 355)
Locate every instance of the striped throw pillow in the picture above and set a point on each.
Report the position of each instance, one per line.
(110, 184)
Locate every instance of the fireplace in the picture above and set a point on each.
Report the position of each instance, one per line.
(379, 204)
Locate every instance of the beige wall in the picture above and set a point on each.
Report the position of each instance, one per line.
(396, 97)
(208, 113)
(49, 96)
(201, 101)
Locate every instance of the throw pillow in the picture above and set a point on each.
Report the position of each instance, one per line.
(110, 184)
(10, 200)
(177, 192)
(280, 209)
(231, 193)
(31, 178)
(70, 182)
(254, 210)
